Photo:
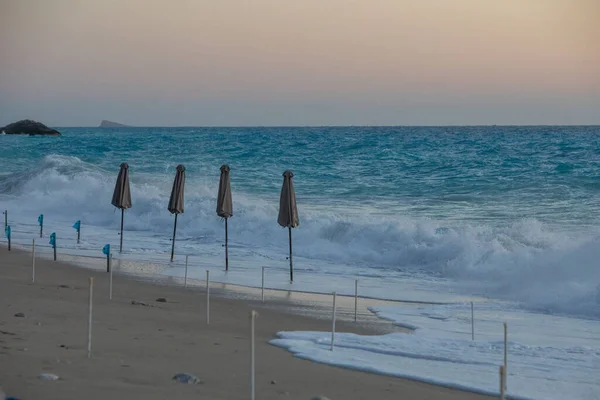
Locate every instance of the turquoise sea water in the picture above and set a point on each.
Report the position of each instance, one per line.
(507, 212)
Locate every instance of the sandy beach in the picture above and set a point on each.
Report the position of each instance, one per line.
(137, 349)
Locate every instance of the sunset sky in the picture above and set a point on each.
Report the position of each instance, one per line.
(307, 62)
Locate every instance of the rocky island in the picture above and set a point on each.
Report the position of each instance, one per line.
(111, 124)
(28, 127)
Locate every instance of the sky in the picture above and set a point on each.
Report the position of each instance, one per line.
(308, 62)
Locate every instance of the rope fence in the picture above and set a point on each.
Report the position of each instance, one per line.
(128, 264)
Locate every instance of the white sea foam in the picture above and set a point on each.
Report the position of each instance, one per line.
(544, 267)
(549, 357)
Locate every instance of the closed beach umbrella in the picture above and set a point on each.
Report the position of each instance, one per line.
(122, 195)
(176, 200)
(225, 205)
(288, 212)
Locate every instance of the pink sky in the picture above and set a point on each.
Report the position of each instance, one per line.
(283, 62)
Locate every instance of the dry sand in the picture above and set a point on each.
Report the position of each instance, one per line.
(137, 349)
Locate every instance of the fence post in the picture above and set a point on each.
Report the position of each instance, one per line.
(33, 261)
(262, 286)
(253, 315)
(89, 344)
(207, 298)
(472, 323)
(505, 354)
(186, 271)
(110, 283)
(333, 322)
(502, 390)
(355, 299)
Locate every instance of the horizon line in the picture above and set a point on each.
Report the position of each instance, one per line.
(323, 126)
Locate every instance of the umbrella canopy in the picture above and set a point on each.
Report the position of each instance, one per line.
(176, 200)
(225, 205)
(224, 202)
(122, 195)
(121, 198)
(288, 212)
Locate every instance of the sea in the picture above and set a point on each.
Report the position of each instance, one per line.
(505, 216)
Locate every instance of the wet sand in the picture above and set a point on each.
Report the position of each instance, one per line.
(138, 348)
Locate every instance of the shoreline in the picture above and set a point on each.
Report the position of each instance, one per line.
(152, 358)
(153, 270)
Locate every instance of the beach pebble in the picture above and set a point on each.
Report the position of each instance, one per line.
(20, 315)
(48, 377)
(187, 378)
(273, 382)
(140, 303)
(161, 300)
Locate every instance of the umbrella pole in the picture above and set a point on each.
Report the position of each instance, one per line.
(291, 265)
(173, 244)
(122, 218)
(226, 249)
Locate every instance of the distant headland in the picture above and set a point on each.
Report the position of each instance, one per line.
(111, 124)
(29, 127)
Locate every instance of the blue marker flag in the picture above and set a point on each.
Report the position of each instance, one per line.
(106, 249)
(7, 232)
(77, 225)
(41, 219)
(53, 239)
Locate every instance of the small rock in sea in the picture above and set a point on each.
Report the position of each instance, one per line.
(48, 377)
(20, 315)
(187, 378)
(273, 382)
(161, 300)
(29, 127)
